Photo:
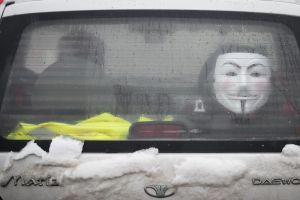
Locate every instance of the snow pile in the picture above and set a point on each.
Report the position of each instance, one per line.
(208, 172)
(291, 150)
(124, 176)
(30, 149)
(64, 147)
(63, 152)
(8, 161)
(291, 156)
(138, 162)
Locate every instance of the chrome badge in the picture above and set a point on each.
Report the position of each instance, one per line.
(160, 191)
(33, 181)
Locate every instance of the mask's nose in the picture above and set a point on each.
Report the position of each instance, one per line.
(243, 85)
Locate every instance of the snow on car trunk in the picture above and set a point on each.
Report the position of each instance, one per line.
(70, 174)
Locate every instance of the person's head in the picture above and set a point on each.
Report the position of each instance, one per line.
(241, 79)
(82, 45)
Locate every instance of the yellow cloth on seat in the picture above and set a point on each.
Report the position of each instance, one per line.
(143, 118)
(101, 127)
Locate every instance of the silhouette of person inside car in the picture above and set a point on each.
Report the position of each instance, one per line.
(75, 84)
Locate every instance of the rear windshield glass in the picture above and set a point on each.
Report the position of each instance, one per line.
(152, 78)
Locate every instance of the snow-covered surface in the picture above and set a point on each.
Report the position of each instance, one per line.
(63, 151)
(8, 161)
(291, 150)
(256, 6)
(138, 162)
(286, 1)
(209, 172)
(30, 149)
(63, 147)
(124, 176)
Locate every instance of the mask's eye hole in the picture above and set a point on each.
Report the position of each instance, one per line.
(255, 74)
(231, 74)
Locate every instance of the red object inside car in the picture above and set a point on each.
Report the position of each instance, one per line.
(157, 130)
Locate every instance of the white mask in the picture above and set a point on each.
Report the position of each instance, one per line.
(242, 81)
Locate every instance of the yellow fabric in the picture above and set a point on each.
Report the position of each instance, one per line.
(143, 118)
(168, 118)
(100, 127)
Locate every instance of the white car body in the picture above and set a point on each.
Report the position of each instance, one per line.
(111, 176)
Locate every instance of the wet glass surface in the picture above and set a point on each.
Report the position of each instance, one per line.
(93, 79)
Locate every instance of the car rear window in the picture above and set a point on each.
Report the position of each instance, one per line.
(132, 78)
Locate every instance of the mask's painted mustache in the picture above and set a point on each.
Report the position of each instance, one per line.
(243, 98)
